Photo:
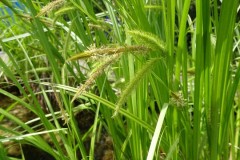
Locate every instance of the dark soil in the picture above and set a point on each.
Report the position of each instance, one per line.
(85, 119)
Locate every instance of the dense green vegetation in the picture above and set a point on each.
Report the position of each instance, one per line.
(161, 78)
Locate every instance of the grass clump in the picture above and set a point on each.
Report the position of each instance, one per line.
(168, 70)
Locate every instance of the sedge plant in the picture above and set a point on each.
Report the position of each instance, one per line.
(163, 83)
